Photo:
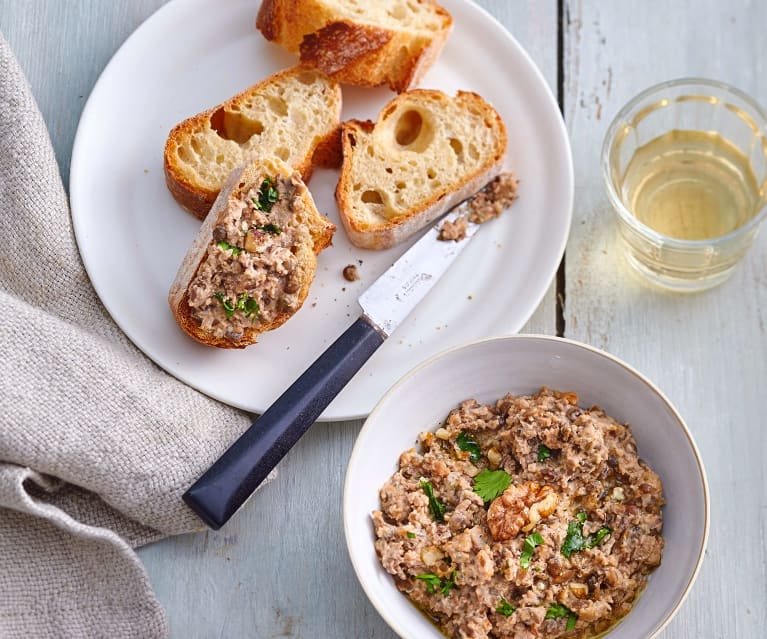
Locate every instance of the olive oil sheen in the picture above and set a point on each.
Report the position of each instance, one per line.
(690, 185)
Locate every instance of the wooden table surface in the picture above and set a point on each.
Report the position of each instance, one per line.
(280, 568)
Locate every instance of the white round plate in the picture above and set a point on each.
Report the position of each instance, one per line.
(193, 54)
(486, 370)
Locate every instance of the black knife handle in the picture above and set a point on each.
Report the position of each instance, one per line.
(228, 483)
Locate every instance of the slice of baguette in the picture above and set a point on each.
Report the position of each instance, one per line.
(357, 41)
(426, 153)
(294, 115)
(233, 263)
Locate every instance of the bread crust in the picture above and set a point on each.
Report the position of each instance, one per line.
(358, 51)
(342, 44)
(237, 184)
(325, 151)
(384, 234)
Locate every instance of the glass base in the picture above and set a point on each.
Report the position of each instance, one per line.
(678, 282)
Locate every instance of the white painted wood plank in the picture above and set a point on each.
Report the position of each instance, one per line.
(707, 352)
(534, 25)
(63, 47)
(280, 568)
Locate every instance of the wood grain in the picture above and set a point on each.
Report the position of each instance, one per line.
(707, 352)
(280, 568)
(63, 47)
(285, 573)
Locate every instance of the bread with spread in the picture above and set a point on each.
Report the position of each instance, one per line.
(426, 152)
(364, 43)
(251, 264)
(293, 115)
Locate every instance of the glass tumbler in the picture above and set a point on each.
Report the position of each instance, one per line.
(685, 166)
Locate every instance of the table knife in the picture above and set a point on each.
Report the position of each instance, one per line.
(230, 481)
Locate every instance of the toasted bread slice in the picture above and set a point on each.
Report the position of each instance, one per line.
(293, 115)
(250, 266)
(426, 153)
(356, 42)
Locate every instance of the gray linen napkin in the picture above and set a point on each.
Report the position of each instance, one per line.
(97, 443)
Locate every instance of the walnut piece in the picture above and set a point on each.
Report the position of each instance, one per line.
(520, 508)
(431, 555)
(494, 457)
(542, 508)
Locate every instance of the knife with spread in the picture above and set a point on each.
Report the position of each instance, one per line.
(228, 483)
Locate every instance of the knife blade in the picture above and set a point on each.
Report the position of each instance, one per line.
(233, 478)
(396, 292)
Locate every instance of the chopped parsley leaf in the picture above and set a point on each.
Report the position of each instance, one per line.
(529, 548)
(491, 483)
(228, 306)
(557, 611)
(505, 608)
(468, 445)
(244, 303)
(247, 305)
(236, 250)
(560, 611)
(592, 541)
(431, 580)
(434, 583)
(448, 584)
(410, 534)
(436, 507)
(575, 541)
(544, 452)
(270, 228)
(267, 196)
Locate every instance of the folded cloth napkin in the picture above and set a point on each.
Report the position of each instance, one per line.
(97, 444)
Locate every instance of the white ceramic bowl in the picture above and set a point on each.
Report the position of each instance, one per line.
(487, 370)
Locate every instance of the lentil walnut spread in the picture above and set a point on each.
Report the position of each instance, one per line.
(528, 518)
(486, 204)
(250, 272)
